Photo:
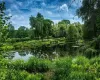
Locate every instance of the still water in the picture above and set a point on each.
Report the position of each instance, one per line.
(50, 53)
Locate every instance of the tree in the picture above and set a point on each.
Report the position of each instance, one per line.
(39, 16)
(72, 33)
(37, 25)
(63, 27)
(47, 28)
(89, 12)
(80, 29)
(22, 32)
(11, 31)
(3, 22)
(55, 31)
(33, 29)
(40, 27)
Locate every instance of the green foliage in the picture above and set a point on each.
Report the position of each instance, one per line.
(89, 52)
(14, 40)
(6, 47)
(66, 68)
(62, 68)
(11, 31)
(33, 44)
(11, 74)
(37, 65)
(78, 68)
(89, 12)
(3, 23)
(22, 32)
(40, 27)
(73, 34)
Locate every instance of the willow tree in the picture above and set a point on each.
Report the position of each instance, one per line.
(47, 28)
(22, 32)
(40, 27)
(62, 25)
(37, 25)
(90, 13)
(73, 34)
(11, 31)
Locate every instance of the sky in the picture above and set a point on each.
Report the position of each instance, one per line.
(56, 10)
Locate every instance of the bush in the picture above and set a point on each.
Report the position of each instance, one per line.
(68, 68)
(95, 60)
(6, 47)
(79, 75)
(90, 52)
(13, 40)
(18, 65)
(12, 74)
(62, 68)
(80, 60)
(37, 65)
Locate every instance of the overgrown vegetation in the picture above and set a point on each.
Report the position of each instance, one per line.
(44, 33)
(70, 68)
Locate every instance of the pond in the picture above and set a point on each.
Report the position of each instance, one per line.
(50, 53)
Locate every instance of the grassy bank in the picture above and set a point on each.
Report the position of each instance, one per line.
(67, 68)
(32, 44)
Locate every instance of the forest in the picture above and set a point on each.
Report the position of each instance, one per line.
(49, 50)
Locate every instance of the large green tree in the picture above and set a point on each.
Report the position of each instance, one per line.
(73, 34)
(3, 22)
(22, 32)
(90, 13)
(37, 25)
(40, 27)
(11, 31)
(47, 27)
(62, 25)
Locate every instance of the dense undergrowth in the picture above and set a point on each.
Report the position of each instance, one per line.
(67, 68)
(31, 44)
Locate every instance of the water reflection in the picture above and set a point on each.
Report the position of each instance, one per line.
(43, 52)
(24, 56)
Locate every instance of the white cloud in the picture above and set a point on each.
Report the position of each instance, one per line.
(43, 4)
(49, 12)
(8, 10)
(9, 14)
(76, 20)
(20, 3)
(20, 20)
(15, 8)
(77, 3)
(64, 7)
(56, 21)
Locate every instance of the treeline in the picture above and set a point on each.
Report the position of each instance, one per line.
(41, 28)
(45, 28)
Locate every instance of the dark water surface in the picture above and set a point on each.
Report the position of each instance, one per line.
(51, 53)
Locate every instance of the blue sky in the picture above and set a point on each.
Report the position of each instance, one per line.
(56, 10)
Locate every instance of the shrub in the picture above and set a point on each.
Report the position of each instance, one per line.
(13, 40)
(62, 68)
(95, 60)
(80, 60)
(89, 52)
(37, 65)
(6, 47)
(6, 74)
(18, 65)
(79, 75)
